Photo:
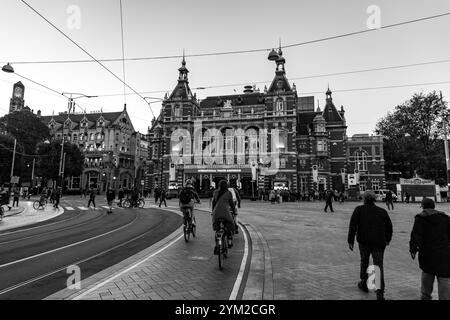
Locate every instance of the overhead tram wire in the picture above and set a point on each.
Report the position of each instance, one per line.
(235, 51)
(296, 78)
(85, 51)
(123, 55)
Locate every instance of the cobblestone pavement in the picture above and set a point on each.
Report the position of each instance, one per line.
(185, 271)
(310, 256)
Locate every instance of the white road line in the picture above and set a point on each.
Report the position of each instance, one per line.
(83, 208)
(126, 270)
(65, 247)
(69, 208)
(240, 275)
(105, 207)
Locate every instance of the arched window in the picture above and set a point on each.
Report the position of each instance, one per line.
(279, 106)
(92, 136)
(361, 160)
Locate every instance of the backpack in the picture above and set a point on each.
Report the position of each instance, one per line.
(185, 196)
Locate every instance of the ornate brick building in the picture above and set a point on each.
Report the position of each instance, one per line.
(255, 140)
(114, 152)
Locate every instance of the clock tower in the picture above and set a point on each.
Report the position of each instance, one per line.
(17, 101)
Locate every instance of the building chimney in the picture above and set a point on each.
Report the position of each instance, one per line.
(39, 113)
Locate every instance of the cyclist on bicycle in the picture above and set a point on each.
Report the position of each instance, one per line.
(222, 208)
(187, 196)
(42, 197)
(237, 204)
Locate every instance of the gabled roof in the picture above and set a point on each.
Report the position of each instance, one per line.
(280, 82)
(76, 118)
(330, 112)
(237, 100)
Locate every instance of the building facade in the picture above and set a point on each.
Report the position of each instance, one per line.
(17, 101)
(115, 154)
(255, 140)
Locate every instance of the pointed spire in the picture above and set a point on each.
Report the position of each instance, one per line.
(124, 107)
(280, 52)
(329, 92)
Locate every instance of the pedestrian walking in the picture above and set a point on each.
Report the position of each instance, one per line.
(163, 197)
(92, 194)
(110, 196)
(430, 237)
(407, 197)
(57, 197)
(389, 200)
(157, 194)
(16, 196)
(121, 196)
(373, 230)
(329, 201)
(341, 197)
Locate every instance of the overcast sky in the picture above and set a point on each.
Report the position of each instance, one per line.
(164, 27)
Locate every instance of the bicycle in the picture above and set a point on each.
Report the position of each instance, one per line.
(188, 226)
(221, 243)
(38, 204)
(128, 203)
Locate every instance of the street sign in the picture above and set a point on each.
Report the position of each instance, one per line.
(352, 180)
(14, 179)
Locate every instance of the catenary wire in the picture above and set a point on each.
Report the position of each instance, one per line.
(239, 51)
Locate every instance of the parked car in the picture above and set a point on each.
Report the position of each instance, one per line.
(381, 195)
(173, 190)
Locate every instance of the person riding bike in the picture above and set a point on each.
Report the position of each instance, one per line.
(187, 196)
(222, 209)
(237, 204)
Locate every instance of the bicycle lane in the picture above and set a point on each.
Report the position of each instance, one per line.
(172, 270)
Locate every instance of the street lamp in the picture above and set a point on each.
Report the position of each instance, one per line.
(8, 68)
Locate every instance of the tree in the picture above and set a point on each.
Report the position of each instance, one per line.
(27, 128)
(6, 156)
(49, 159)
(413, 137)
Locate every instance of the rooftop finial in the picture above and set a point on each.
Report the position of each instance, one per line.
(184, 60)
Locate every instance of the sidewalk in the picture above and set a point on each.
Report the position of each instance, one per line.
(26, 215)
(13, 211)
(170, 269)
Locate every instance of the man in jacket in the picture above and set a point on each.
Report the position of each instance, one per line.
(430, 237)
(389, 200)
(110, 196)
(329, 201)
(373, 229)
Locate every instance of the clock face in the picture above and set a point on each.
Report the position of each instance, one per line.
(18, 92)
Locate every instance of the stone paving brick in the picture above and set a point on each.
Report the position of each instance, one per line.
(310, 256)
(182, 271)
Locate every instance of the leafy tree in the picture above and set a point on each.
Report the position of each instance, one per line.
(50, 155)
(413, 137)
(27, 128)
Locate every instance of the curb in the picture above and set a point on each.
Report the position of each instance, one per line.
(14, 214)
(112, 271)
(259, 284)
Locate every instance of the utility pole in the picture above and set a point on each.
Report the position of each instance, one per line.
(447, 157)
(32, 173)
(14, 158)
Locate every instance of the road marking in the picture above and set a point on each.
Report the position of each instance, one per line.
(69, 208)
(126, 270)
(83, 208)
(105, 207)
(67, 246)
(240, 275)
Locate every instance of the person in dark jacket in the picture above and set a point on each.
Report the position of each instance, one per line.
(223, 208)
(329, 200)
(121, 196)
(389, 200)
(110, 196)
(162, 197)
(57, 197)
(430, 237)
(373, 229)
(92, 194)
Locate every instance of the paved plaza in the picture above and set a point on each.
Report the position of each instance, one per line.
(309, 254)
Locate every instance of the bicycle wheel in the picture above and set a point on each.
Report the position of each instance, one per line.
(1, 213)
(141, 203)
(220, 246)
(36, 205)
(126, 204)
(193, 227)
(186, 232)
